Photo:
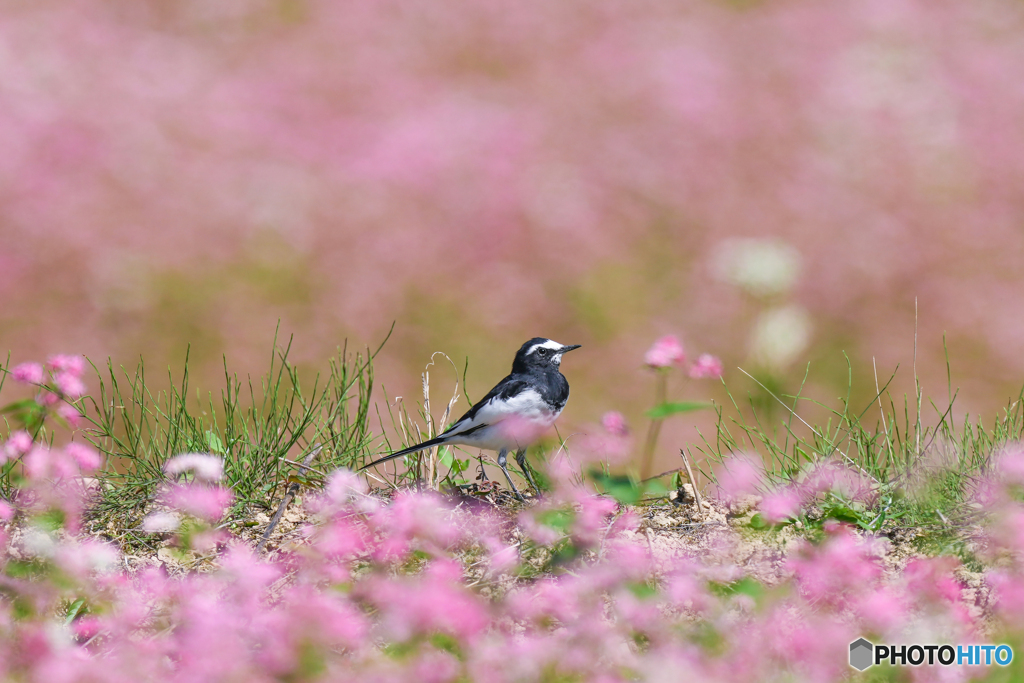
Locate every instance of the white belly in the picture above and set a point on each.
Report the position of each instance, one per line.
(512, 424)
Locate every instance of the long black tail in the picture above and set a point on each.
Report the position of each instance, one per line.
(406, 451)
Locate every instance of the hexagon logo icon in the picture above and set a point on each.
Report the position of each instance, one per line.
(861, 654)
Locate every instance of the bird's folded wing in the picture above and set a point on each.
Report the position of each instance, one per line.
(511, 397)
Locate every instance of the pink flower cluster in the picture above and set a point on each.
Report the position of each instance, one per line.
(668, 352)
(423, 588)
(59, 382)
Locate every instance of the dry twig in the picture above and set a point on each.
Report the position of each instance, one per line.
(293, 489)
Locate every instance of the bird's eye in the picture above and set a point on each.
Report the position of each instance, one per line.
(545, 352)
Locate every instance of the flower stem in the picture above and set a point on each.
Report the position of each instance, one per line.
(660, 392)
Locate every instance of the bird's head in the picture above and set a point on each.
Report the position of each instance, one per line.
(540, 353)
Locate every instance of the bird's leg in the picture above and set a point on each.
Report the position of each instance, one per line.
(521, 459)
(502, 458)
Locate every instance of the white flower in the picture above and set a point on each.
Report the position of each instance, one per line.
(762, 267)
(780, 336)
(204, 465)
(160, 523)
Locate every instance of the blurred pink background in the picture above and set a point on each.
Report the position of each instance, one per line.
(774, 182)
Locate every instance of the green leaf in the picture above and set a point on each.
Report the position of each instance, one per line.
(619, 487)
(624, 489)
(18, 406)
(74, 609)
(666, 409)
(215, 444)
(559, 520)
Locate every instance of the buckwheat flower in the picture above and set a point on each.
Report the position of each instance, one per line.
(882, 608)
(28, 373)
(706, 367)
(518, 429)
(18, 444)
(87, 458)
(1009, 464)
(762, 267)
(666, 352)
(70, 413)
(69, 384)
(343, 485)
(780, 505)
(780, 336)
(6, 511)
(160, 522)
(36, 542)
(73, 365)
(615, 423)
(740, 475)
(81, 558)
(205, 502)
(48, 399)
(610, 444)
(204, 466)
(86, 627)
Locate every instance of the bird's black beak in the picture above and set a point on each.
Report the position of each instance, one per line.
(566, 349)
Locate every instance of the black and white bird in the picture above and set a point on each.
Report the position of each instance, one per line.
(514, 413)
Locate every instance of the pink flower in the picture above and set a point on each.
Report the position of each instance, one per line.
(521, 430)
(612, 444)
(845, 563)
(18, 444)
(69, 384)
(665, 352)
(740, 475)
(70, 413)
(48, 399)
(6, 511)
(780, 505)
(205, 502)
(72, 365)
(87, 458)
(706, 367)
(1009, 464)
(614, 423)
(28, 373)
(41, 463)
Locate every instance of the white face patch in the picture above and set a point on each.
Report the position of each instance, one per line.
(549, 344)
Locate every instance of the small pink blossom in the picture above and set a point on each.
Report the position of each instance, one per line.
(69, 384)
(18, 444)
(28, 373)
(615, 423)
(611, 444)
(47, 399)
(88, 459)
(516, 429)
(41, 463)
(72, 365)
(205, 502)
(86, 627)
(740, 475)
(666, 352)
(71, 414)
(706, 367)
(344, 485)
(6, 511)
(780, 505)
(1009, 464)
(204, 466)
